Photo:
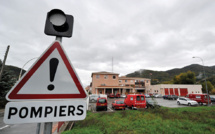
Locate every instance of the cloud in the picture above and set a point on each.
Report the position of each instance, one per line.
(137, 34)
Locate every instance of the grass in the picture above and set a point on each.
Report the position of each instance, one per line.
(163, 120)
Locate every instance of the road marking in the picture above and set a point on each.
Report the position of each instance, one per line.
(4, 127)
(110, 109)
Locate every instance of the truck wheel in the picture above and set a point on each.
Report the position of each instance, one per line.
(105, 109)
(132, 107)
(201, 103)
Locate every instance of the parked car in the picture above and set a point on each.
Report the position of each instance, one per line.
(158, 96)
(101, 103)
(151, 103)
(122, 95)
(172, 97)
(117, 95)
(200, 98)
(165, 96)
(150, 94)
(153, 95)
(93, 97)
(147, 95)
(118, 104)
(135, 101)
(186, 101)
(212, 99)
(111, 95)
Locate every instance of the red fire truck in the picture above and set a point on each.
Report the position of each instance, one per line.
(200, 98)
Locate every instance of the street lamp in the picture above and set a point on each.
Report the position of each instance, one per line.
(24, 66)
(205, 77)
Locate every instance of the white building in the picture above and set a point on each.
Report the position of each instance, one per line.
(176, 89)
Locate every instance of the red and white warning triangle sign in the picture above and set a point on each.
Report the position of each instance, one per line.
(52, 77)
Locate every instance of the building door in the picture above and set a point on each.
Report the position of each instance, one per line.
(166, 91)
(176, 91)
(183, 91)
(127, 91)
(171, 91)
(115, 91)
(108, 91)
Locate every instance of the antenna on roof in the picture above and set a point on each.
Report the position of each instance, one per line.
(112, 64)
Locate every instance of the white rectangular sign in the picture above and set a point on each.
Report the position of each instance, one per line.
(44, 111)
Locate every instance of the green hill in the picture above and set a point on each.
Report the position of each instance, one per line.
(161, 76)
(13, 69)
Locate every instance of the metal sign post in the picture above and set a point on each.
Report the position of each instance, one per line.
(58, 20)
(48, 125)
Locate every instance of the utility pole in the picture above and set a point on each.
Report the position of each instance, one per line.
(5, 57)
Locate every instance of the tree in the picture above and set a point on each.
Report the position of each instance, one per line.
(185, 78)
(209, 86)
(213, 91)
(7, 81)
(167, 82)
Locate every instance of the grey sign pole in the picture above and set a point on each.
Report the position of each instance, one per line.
(38, 128)
(48, 128)
(48, 125)
(60, 25)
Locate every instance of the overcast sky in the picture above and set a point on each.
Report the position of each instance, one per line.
(138, 34)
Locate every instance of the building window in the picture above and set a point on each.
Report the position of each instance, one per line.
(97, 76)
(106, 76)
(131, 81)
(147, 81)
(126, 80)
(120, 81)
(114, 77)
(131, 98)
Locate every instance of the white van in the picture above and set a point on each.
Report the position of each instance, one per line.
(93, 97)
(103, 95)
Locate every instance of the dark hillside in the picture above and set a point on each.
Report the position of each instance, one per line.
(169, 74)
(14, 70)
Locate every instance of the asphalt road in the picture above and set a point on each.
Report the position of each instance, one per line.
(17, 128)
(160, 101)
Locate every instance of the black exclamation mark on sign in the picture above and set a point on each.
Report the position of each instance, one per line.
(53, 63)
